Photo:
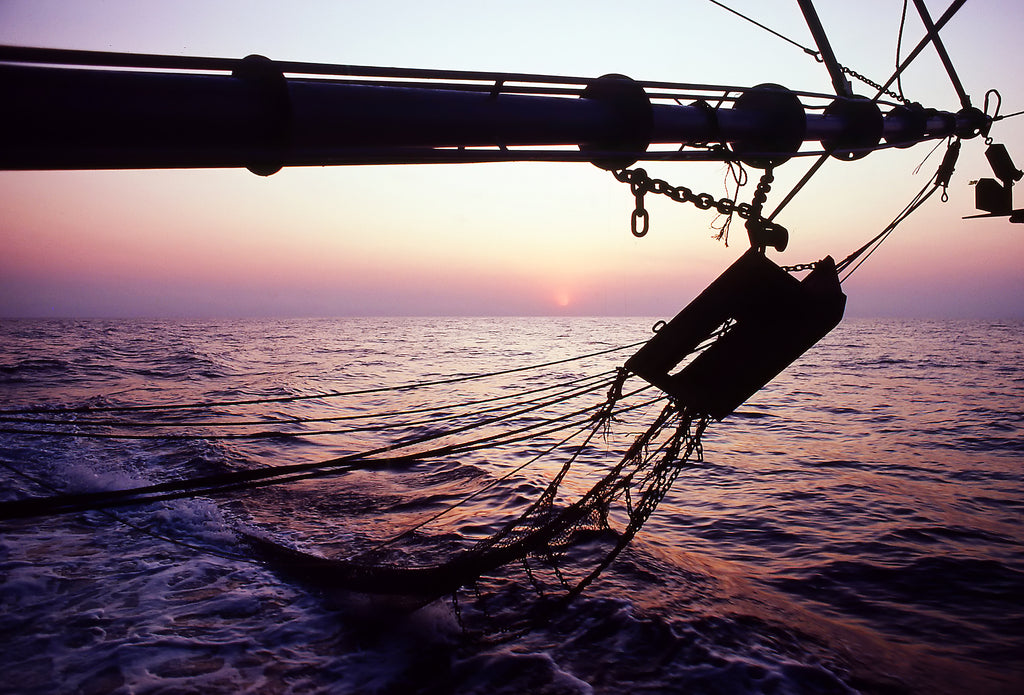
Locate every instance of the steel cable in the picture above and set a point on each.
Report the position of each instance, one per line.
(248, 479)
(313, 396)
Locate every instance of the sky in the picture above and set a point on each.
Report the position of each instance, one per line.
(509, 238)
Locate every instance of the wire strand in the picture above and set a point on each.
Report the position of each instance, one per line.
(558, 397)
(809, 51)
(249, 479)
(292, 420)
(872, 245)
(316, 396)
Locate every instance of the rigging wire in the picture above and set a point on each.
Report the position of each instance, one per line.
(452, 507)
(809, 51)
(869, 248)
(329, 467)
(558, 397)
(315, 396)
(249, 479)
(928, 156)
(366, 459)
(996, 116)
(938, 180)
(490, 82)
(495, 154)
(946, 16)
(293, 420)
(899, 46)
(206, 550)
(818, 57)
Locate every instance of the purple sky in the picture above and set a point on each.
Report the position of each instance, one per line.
(502, 238)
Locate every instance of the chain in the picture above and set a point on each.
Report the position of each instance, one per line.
(457, 609)
(871, 83)
(641, 184)
(756, 225)
(533, 580)
(558, 570)
(799, 267)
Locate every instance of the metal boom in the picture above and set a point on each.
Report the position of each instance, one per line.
(98, 110)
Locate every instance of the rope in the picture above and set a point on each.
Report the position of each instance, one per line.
(939, 180)
(540, 532)
(543, 532)
(799, 185)
(141, 529)
(605, 414)
(559, 397)
(899, 46)
(663, 475)
(291, 420)
(639, 481)
(946, 16)
(315, 396)
(239, 480)
(872, 246)
(447, 510)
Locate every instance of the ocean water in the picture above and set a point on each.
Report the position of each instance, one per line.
(857, 526)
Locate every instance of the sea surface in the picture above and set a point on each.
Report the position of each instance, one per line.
(856, 526)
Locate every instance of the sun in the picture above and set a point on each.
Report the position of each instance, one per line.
(562, 298)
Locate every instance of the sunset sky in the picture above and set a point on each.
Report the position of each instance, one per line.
(504, 239)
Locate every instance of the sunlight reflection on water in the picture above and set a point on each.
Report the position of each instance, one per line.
(870, 496)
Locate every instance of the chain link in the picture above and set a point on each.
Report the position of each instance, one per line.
(640, 184)
(871, 83)
(457, 609)
(799, 267)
